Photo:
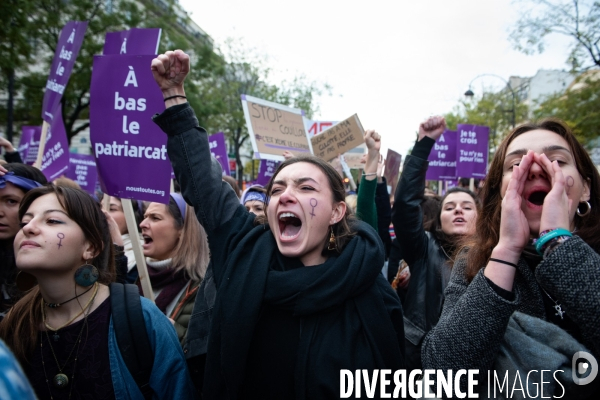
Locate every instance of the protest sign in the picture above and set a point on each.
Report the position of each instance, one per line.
(338, 139)
(82, 169)
(132, 42)
(266, 169)
(316, 127)
(472, 151)
(130, 149)
(67, 49)
(353, 160)
(442, 158)
(274, 128)
(55, 157)
(393, 161)
(218, 149)
(29, 143)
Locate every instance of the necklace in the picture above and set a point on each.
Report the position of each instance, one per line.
(557, 306)
(56, 336)
(56, 305)
(61, 380)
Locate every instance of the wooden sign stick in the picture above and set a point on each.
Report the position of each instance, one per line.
(42, 146)
(140, 260)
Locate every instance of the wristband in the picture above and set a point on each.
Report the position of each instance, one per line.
(175, 97)
(543, 240)
(369, 174)
(515, 266)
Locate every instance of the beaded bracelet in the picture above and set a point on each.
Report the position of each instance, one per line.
(541, 243)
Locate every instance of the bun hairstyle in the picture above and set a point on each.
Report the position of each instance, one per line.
(20, 327)
(342, 229)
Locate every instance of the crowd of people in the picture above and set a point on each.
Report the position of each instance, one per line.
(269, 293)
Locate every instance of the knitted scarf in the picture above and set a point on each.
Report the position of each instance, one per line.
(162, 276)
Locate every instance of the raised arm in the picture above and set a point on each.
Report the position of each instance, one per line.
(196, 170)
(407, 215)
(365, 203)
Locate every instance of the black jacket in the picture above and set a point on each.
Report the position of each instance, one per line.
(428, 264)
(350, 318)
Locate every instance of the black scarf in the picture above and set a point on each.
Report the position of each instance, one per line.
(338, 295)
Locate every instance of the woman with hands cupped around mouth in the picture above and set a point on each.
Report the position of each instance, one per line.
(532, 266)
(299, 298)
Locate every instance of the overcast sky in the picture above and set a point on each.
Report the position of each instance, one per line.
(393, 63)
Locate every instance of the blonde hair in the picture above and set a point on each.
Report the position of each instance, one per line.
(351, 201)
(191, 254)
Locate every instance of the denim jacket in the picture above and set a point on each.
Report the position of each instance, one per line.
(169, 378)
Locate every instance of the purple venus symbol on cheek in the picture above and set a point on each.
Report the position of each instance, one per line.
(60, 236)
(570, 183)
(313, 204)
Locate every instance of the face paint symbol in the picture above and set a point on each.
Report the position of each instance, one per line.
(313, 204)
(61, 236)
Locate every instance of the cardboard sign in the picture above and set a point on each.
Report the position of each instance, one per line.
(82, 169)
(130, 149)
(442, 159)
(67, 49)
(218, 149)
(353, 160)
(132, 42)
(274, 128)
(472, 151)
(55, 160)
(29, 143)
(338, 139)
(393, 161)
(316, 127)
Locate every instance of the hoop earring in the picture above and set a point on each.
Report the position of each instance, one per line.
(332, 245)
(86, 275)
(25, 281)
(587, 211)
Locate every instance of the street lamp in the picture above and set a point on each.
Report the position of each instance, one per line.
(469, 93)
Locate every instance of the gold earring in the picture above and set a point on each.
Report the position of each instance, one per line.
(332, 245)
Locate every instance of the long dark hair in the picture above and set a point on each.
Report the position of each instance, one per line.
(450, 242)
(488, 222)
(20, 328)
(342, 229)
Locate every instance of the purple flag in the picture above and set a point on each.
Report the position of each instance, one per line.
(472, 151)
(442, 159)
(67, 49)
(132, 42)
(218, 149)
(130, 149)
(30, 143)
(82, 169)
(55, 160)
(266, 169)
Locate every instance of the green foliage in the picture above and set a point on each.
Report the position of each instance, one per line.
(579, 108)
(491, 109)
(577, 19)
(245, 72)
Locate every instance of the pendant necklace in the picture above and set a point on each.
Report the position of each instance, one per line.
(557, 306)
(61, 380)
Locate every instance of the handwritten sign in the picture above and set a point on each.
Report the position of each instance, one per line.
(316, 127)
(274, 128)
(338, 139)
(353, 160)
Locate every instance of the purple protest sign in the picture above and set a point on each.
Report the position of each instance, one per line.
(218, 149)
(472, 151)
(67, 49)
(55, 160)
(29, 143)
(442, 159)
(130, 149)
(82, 169)
(132, 42)
(266, 169)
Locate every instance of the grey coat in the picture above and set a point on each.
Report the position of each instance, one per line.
(474, 317)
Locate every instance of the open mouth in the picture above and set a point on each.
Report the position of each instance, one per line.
(537, 197)
(289, 225)
(147, 239)
(459, 221)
